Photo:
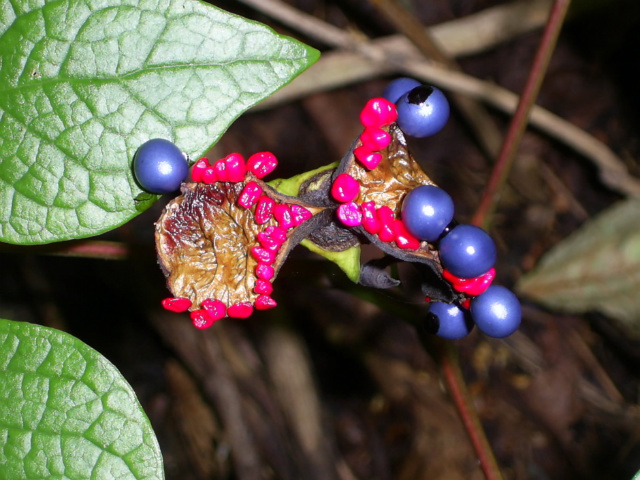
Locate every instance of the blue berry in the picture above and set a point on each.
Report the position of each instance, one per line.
(160, 166)
(448, 321)
(399, 87)
(497, 311)
(422, 111)
(426, 211)
(467, 251)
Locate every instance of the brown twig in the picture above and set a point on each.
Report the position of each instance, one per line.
(519, 121)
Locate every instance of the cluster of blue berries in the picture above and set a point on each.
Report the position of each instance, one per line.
(467, 252)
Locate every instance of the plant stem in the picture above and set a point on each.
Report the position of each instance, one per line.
(502, 167)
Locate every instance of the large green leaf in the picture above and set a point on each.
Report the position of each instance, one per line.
(596, 268)
(67, 413)
(84, 82)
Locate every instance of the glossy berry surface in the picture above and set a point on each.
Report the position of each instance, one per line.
(467, 251)
(160, 166)
(448, 321)
(423, 111)
(426, 211)
(398, 87)
(497, 312)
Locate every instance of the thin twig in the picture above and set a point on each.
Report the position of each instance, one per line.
(519, 121)
(450, 367)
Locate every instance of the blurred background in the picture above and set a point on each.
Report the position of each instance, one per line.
(334, 384)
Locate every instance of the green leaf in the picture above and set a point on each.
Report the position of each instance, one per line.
(84, 82)
(596, 268)
(66, 412)
(348, 260)
(291, 186)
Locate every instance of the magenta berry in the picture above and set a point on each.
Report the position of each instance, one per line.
(235, 167)
(366, 157)
(378, 112)
(262, 164)
(176, 304)
(283, 215)
(370, 221)
(386, 218)
(299, 214)
(240, 310)
(375, 138)
(201, 319)
(264, 271)
(197, 171)
(345, 188)
(403, 238)
(263, 255)
(264, 302)
(215, 308)
(349, 214)
(263, 287)
(264, 210)
(159, 166)
(250, 195)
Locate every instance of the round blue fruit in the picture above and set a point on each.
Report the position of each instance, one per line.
(160, 166)
(497, 311)
(398, 87)
(448, 321)
(426, 211)
(423, 111)
(467, 251)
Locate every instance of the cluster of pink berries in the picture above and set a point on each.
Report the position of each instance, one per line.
(283, 217)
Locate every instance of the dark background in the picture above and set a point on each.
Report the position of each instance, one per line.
(333, 383)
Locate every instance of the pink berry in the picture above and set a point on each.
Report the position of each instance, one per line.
(209, 175)
(263, 287)
(264, 271)
(235, 167)
(386, 218)
(249, 195)
(403, 238)
(345, 188)
(277, 233)
(349, 214)
(300, 214)
(201, 319)
(268, 242)
(262, 164)
(367, 157)
(263, 255)
(378, 112)
(240, 310)
(264, 210)
(198, 169)
(220, 167)
(282, 213)
(264, 302)
(470, 286)
(177, 304)
(375, 138)
(370, 221)
(215, 308)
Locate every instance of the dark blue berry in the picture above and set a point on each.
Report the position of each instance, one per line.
(399, 87)
(160, 166)
(426, 212)
(467, 251)
(448, 321)
(497, 311)
(422, 111)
